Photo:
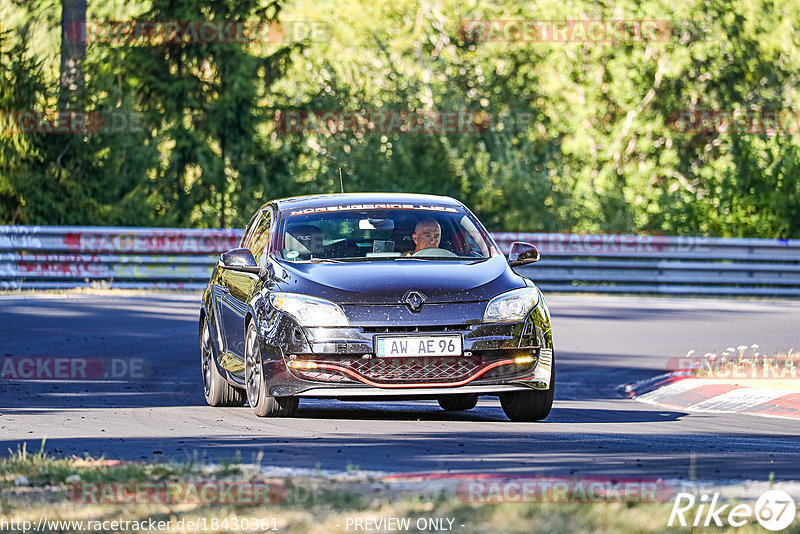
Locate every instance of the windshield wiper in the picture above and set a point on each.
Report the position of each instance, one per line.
(435, 258)
(324, 260)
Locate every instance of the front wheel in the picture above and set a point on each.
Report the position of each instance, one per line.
(531, 405)
(216, 390)
(262, 404)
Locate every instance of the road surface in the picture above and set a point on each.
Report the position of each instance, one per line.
(601, 342)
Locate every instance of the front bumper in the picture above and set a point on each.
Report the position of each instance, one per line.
(534, 376)
(357, 393)
(341, 362)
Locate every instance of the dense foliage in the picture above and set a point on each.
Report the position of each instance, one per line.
(572, 136)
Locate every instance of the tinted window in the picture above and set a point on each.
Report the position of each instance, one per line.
(260, 239)
(351, 233)
(247, 238)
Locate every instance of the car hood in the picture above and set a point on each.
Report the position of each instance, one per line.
(387, 282)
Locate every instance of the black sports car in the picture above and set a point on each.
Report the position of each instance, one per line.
(374, 297)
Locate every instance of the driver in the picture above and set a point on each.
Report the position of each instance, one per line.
(427, 234)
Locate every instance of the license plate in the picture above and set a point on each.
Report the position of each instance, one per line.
(389, 346)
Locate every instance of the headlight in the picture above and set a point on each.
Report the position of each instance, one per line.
(511, 306)
(309, 311)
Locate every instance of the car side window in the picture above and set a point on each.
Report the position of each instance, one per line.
(260, 239)
(247, 238)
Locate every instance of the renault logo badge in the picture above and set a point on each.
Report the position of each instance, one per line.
(415, 300)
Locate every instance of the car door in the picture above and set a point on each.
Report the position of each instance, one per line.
(221, 290)
(236, 288)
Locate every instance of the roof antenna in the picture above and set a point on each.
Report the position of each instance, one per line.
(341, 182)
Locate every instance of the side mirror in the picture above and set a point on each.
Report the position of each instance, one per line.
(239, 259)
(522, 254)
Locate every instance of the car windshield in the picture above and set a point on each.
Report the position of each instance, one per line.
(366, 233)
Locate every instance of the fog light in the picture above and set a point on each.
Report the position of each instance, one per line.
(523, 359)
(299, 364)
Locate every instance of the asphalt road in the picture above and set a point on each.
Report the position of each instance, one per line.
(601, 342)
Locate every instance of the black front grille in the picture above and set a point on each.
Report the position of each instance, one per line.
(399, 370)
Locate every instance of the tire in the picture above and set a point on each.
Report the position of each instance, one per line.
(458, 403)
(531, 405)
(216, 390)
(262, 404)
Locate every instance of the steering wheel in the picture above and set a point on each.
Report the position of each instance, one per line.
(434, 252)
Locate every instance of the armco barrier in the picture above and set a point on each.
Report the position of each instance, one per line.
(52, 257)
(662, 264)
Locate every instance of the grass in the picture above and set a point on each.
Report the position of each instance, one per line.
(42, 470)
(313, 504)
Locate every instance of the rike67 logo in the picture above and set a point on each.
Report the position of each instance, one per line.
(774, 510)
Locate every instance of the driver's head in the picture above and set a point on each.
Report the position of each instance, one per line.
(427, 234)
(304, 238)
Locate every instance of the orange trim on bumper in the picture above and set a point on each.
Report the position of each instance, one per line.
(367, 381)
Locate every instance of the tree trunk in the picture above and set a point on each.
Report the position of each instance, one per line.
(73, 49)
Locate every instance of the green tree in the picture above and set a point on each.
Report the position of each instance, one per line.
(204, 100)
(84, 176)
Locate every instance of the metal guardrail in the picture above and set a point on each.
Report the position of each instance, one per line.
(663, 264)
(55, 257)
